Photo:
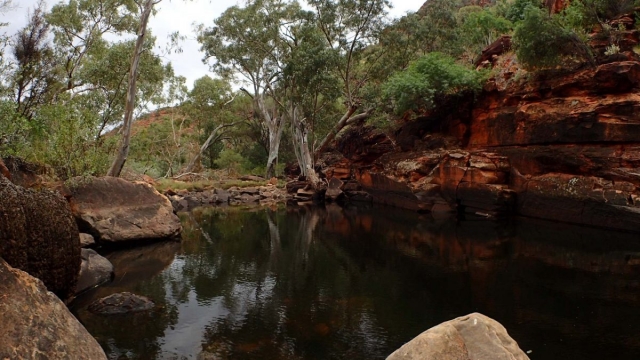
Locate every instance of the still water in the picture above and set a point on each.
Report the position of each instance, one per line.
(332, 283)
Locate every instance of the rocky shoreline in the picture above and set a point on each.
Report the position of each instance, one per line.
(185, 200)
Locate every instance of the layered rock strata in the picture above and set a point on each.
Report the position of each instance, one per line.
(558, 146)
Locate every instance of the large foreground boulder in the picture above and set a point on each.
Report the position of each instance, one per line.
(471, 337)
(115, 210)
(36, 324)
(39, 235)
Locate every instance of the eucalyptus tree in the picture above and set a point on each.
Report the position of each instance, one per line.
(146, 8)
(35, 75)
(79, 27)
(309, 85)
(245, 45)
(351, 27)
(207, 107)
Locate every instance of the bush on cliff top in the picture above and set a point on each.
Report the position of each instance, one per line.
(542, 42)
(430, 76)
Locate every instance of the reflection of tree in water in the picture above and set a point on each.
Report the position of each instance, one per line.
(286, 296)
(356, 283)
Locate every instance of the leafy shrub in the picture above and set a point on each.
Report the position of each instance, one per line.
(581, 15)
(230, 160)
(480, 28)
(542, 42)
(66, 140)
(432, 75)
(516, 11)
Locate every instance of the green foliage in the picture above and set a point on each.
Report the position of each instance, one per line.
(581, 15)
(255, 156)
(542, 42)
(161, 143)
(480, 27)
(516, 10)
(230, 160)
(438, 27)
(14, 129)
(69, 143)
(433, 75)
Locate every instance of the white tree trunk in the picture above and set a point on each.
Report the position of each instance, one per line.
(275, 126)
(121, 157)
(213, 137)
(347, 119)
(301, 146)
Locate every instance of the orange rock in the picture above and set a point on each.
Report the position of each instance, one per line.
(4, 171)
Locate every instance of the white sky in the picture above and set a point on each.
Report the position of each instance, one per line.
(180, 15)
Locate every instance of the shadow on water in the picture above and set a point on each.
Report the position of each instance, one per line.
(357, 283)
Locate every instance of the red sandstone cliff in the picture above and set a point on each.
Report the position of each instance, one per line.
(563, 146)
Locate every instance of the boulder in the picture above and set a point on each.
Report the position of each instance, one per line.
(86, 240)
(115, 210)
(471, 337)
(36, 324)
(222, 196)
(252, 178)
(249, 191)
(39, 235)
(94, 270)
(121, 303)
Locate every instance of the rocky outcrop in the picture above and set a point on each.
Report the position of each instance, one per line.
(23, 173)
(555, 6)
(39, 235)
(183, 200)
(36, 324)
(495, 49)
(94, 270)
(560, 146)
(471, 337)
(114, 210)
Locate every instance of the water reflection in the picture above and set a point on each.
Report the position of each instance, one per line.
(339, 283)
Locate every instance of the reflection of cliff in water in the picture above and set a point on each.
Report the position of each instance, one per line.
(546, 282)
(333, 283)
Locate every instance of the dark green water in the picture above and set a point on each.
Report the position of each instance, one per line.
(358, 283)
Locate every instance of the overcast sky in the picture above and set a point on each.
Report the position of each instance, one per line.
(179, 15)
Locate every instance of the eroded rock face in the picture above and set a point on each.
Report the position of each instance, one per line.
(114, 210)
(474, 336)
(36, 324)
(563, 146)
(22, 173)
(39, 235)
